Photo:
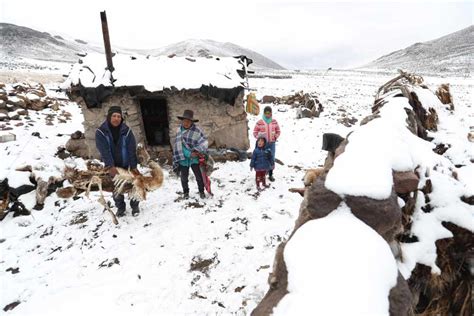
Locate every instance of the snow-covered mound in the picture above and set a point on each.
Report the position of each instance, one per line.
(331, 241)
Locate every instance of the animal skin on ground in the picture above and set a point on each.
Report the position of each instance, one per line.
(311, 176)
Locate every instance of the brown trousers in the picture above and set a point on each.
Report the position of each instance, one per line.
(260, 178)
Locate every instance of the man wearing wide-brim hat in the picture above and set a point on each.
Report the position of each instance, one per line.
(190, 141)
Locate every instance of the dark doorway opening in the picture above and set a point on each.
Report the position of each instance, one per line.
(155, 121)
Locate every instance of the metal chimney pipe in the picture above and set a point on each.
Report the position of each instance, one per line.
(108, 49)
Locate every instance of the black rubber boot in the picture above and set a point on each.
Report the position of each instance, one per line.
(135, 208)
(270, 176)
(120, 212)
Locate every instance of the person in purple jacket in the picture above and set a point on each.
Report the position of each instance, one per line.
(118, 148)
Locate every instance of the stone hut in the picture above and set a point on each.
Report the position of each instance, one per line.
(153, 91)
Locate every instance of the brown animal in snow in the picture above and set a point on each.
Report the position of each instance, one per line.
(311, 176)
(66, 193)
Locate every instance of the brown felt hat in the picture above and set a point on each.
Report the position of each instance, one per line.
(188, 114)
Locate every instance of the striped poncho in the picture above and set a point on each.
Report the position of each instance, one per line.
(193, 139)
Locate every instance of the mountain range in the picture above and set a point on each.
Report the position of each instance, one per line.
(19, 41)
(204, 48)
(452, 53)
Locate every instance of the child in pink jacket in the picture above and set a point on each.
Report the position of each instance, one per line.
(268, 127)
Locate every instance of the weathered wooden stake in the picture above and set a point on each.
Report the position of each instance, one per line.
(105, 33)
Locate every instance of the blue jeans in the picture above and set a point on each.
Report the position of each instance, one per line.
(272, 148)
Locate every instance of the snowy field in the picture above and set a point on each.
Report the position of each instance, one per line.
(194, 257)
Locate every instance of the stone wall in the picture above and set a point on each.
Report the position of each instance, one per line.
(94, 117)
(225, 126)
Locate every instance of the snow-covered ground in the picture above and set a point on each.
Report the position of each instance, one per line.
(194, 257)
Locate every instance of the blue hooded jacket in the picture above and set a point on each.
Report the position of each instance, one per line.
(126, 144)
(261, 157)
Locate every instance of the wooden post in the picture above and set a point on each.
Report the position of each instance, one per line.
(105, 33)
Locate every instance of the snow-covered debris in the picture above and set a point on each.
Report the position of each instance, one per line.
(6, 137)
(308, 104)
(17, 99)
(28, 163)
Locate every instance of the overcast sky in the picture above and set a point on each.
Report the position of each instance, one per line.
(295, 34)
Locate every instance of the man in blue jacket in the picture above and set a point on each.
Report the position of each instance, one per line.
(118, 148)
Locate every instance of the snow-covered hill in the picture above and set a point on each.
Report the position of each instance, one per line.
(203, 48)
(18, 41)
(453, 53)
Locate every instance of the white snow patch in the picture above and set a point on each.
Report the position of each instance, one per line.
(374, 150)
(32, 96)
(18, 178)
(28, 200)
(337, 265)
(466, 176)
(15, 99)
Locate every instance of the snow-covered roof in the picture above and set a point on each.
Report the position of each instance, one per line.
(157, 73)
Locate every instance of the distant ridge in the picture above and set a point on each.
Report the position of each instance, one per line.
(452, 53)
(19, 41)
(203, 48)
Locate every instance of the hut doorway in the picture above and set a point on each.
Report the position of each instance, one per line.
(155, 121)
